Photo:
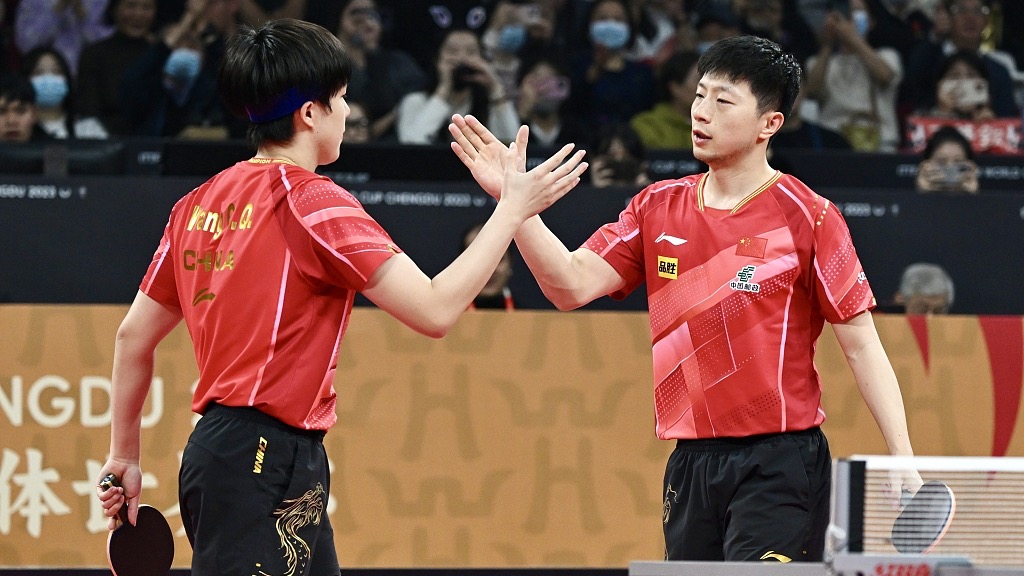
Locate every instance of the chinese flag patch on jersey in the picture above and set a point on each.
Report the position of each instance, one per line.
(753, 247)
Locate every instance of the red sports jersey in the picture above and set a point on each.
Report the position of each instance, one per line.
(737, 301)
(264, 261)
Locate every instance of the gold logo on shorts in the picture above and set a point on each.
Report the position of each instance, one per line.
(772, 555)
(292, 516)
(261, 452)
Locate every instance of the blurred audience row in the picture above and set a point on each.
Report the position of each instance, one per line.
(617, 76)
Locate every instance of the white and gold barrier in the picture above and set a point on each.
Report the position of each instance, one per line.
(522, 439)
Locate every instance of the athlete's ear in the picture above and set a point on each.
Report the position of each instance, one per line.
(773, 121)
(306, 113)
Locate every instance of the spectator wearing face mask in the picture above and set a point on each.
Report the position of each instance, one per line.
(381, 76)
(51, 78)
(543, 92)
(608, 87)
(171, 91)
(855, 83)
(519, 33)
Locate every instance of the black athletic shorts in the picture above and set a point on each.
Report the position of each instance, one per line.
(253, 494)
(738, 499)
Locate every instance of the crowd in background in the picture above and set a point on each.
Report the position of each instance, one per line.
(617, 76)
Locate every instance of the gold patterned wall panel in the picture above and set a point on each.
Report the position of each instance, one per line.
(521, 439)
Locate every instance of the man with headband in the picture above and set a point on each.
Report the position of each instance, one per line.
(263, 262)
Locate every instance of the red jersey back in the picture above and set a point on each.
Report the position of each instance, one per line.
(737, 301)
(264, 261)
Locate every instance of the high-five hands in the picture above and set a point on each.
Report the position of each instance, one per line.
(502, 169)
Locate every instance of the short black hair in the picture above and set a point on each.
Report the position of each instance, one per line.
(773, 74)
(17, 88)
(944, 135)
(265, 71)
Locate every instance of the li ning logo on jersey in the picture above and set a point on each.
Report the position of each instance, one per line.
(742, 281)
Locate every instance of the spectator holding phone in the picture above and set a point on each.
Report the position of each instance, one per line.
(618, 158)
(962, 90)
(517, 34)
(967, 22)
(465, 83)
(948, 165)
(543, 91)
(381, 76)
(856, 83)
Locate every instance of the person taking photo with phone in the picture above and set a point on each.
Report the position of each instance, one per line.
(464, 83)
(948, 165)
(962, 89)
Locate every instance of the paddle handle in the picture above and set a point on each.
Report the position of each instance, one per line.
(110, 481)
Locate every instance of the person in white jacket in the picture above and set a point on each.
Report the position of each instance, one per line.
(465, 84)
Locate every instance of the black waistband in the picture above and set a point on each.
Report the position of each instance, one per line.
(723, 444)
(255, 415)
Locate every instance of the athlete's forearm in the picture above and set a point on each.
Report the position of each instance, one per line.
(561, 274)
(876, 380)
(145, 325)
(431, 306)
(130, 381)
(455, 287)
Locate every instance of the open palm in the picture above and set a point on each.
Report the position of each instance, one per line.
(481, 152)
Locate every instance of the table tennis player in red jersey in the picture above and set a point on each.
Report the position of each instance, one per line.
(743, 265)
(263, 262)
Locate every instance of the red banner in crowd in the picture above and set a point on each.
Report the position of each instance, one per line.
(996, 136)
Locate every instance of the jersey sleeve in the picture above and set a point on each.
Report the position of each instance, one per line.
(841, 287)
(158, 283)
(332, 237)
(621, 245)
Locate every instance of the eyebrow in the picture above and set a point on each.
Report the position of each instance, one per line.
(723, 86)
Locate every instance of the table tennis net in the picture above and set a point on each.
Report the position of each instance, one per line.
(988, 523)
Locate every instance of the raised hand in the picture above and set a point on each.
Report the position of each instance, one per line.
(481, 152)
(531, 192)
(495, 166)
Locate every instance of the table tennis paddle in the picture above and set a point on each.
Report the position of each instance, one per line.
(145, 549)
(924, 519)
